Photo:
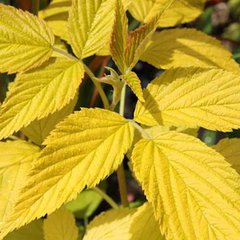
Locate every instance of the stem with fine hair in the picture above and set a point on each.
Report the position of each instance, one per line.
(120, 172)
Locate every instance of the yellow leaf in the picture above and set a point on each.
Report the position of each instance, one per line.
(38, 130)
(36, 94)
(25, 40)
(60, 225)
(137, 41)
(192, 97)
(230, 149)
(126, 49)
(32, 231)
(119, 37)
(181, 12)
(187, 48)
(134, 83)
(111, 225)
(90, 25)
(154, 131)
(56, 16)
(83, 149)
(16, 159)
(144, 225)
(194, 191)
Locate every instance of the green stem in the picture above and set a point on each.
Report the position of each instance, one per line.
(35, 6)
(108, 199)
(122, 101)
(98, 86)
(90, 74)
(120, 171)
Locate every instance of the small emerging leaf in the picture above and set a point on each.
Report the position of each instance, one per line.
(134, 83)
(25, 40)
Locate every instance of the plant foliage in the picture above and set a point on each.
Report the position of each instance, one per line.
(192, 190)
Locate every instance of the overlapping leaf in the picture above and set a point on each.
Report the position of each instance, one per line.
(181, 12)
(60, 225)
(82, 150)
(137, 41)
(187, 48)
(56, 16)
(25, 41)
(194, 191)
(192, 97)
(144, 225)
(35, 94)
(38, 130)
(32, 231)
(119, 37)
(110, 225)
(126, 49)
(90, 25)
(16, 159)
(230, 149)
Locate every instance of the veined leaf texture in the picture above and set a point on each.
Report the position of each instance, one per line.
(192, 190)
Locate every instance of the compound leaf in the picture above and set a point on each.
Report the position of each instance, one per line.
(16, 159)
(194, 191)
(187, 48)
(25, 40)
(90, 25)
(230, 149)
(181, 11)
(113, 224)
(83, 149)
(36, 94)
(192, 97)
(60, 225)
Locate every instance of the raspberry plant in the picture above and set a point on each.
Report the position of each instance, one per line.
(192, 190)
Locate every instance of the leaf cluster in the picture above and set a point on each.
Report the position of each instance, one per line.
(192, 190)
